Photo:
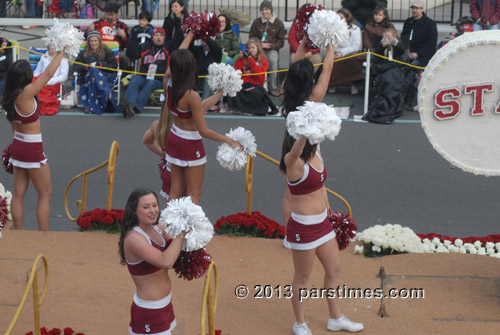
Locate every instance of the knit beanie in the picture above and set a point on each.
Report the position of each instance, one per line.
(266, 4)
(94, 33)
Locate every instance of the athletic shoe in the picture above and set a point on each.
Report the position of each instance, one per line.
(28, 27)
(301, 329)
(332, 89)
(344, 324)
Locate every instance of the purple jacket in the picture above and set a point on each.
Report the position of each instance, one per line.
(488, 10)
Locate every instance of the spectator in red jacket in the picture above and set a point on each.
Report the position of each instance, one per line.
(253, 60)
(485, 13)
(294, 38)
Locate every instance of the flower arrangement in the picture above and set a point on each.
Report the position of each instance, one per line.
(56, 331)
(393, 239)
(254, 224)
(5, 199)
(101, 219)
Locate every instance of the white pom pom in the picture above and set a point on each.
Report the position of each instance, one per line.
(315, 121)
(63, 35)
(326, 27)
(182, 215)
(235, 159)
(224, 77)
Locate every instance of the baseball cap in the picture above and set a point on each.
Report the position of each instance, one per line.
(159, 30)
(417, 4)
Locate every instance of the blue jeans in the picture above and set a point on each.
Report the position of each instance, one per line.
(273, 58)
(478, 27)
(139, 90)
(147, 6)
(416, 62)
(33, 10)
(66, 6)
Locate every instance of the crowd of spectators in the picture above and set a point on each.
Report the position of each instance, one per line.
(368, 22)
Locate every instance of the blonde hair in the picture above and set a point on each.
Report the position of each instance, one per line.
(260, 53)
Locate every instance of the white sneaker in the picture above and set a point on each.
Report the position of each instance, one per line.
(344, 324)
(332, 89)
(301, 329)
(354, 89)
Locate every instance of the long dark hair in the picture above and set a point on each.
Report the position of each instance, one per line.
(184, 74)
(298, 85)
(18, 76)
(228, 22)
(130, 219)
(181, 3)
(386, 22)
(288, 141)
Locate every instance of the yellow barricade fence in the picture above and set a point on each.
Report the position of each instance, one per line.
(111, 164)
(38, 299)
(249, 182)
(209, 300)
(246, 74)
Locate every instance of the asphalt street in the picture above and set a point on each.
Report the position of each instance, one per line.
(389, 174)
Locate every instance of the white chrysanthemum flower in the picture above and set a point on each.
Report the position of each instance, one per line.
(182, 215)
(478, 244)
(459, 242)
(358, 249)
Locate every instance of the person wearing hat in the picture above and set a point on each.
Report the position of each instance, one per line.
(486, 14)
(96, 84)
(112, 29)
(420, 32)
(270, 31)
(154, 64)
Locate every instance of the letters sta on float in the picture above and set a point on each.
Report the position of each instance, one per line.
(448, 102)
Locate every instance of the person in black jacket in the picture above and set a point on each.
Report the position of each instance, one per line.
(5, 61)
(96, 90)
(154, 63)
(140, 36)
(420, 32)
(173, 22)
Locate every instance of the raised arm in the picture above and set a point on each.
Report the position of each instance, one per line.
(187, 40)
(32, 89)
(301, 51)
(319, 91)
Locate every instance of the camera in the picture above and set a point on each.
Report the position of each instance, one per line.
(246, 54)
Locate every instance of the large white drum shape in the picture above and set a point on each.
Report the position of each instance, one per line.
(459, 102)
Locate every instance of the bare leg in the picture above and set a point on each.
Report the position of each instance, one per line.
(303, 263)
(21, 183)
(194, 180)
(329, 256)
(43, 185)
(177, 177)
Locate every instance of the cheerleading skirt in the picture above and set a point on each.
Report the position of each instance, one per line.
(306, 232)
(27, 151)
(185, 148)
(152, 317)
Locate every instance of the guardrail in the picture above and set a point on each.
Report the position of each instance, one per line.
(111, 164)
(37, 299)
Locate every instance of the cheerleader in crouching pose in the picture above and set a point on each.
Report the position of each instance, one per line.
(148, 252)
(26, 153)
(184, 146)
(309, 232)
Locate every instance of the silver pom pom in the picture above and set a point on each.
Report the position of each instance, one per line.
(235, 159)
(326, 27)
(63, 35)
(224, 77)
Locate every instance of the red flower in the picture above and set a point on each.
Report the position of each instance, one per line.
(68, 331)
(107, 220)
(55, 331)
